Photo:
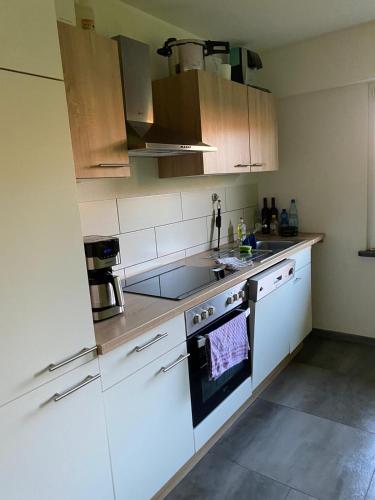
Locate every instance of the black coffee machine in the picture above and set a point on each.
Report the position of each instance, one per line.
(107, 299)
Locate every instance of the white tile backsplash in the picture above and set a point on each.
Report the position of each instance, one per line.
(99, 217)
(151, 264)
(248, 215)
(229, 223)
(181, 235)
(159, 229)
(148, 211)
(199, 203)
(137, 247)
(241, 196)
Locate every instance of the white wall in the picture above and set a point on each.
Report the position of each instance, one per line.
(323, 163)
(332, 60)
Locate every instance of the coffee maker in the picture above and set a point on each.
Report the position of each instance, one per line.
(107, 299)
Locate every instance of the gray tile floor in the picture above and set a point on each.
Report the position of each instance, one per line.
(311, 434)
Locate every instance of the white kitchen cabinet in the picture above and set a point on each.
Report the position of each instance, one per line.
(271, 338)
(150, 426)
(138, 352)
(300, 316)
(44, 300)
(56, 450)
(28, 37)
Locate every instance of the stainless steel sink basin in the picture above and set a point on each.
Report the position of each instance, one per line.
(274, 246)
(264, 250)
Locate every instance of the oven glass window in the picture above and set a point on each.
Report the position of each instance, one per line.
(211, 387)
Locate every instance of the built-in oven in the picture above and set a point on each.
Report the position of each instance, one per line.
(208, 394)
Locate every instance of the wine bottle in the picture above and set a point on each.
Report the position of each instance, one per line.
(274, 211)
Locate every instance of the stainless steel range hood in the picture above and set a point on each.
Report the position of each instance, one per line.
(144, 137)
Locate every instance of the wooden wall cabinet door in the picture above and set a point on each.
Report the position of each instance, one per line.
(263, 131)
(95, 103)
(204, 107)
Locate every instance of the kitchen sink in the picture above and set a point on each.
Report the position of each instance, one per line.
(264, 250)
(274, 246)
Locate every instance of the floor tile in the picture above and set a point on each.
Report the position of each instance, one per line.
(371, 492)
(297, 495)
(346, 399)
(324, 459)
(346, 358)
(217, 478)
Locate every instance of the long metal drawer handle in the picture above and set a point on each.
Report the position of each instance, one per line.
(87, 380)
(241, 165)
(158, 337)
(179, 360)
(257, 164)
(113, 165)
(54, 366)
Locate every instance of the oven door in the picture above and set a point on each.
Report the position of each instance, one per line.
(207, 394)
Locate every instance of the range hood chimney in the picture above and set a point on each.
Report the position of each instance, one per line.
(144, 137)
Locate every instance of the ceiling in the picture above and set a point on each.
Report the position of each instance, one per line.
(259, 23)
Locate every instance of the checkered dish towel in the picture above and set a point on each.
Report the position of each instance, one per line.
(227, 346)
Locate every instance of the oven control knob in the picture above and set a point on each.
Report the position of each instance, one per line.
(197, 319)
(235, 297)
(211, 311)
(204, 314)
(230, 300)
(242, 294)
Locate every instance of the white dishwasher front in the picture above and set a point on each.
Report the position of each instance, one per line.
(270, 302)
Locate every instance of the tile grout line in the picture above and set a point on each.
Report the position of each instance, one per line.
(369, 486)
(317, 416)
(262, 474)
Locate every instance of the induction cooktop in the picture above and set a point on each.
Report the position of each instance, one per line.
(171, 282)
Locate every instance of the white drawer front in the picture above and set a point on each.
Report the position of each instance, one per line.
(133, 355)
(302, 258)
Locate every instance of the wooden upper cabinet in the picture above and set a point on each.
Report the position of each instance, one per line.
(263, 131)
(28, 37)
(95, 103)
(206, 108)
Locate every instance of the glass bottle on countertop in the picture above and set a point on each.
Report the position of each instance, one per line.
(257, 220)
(293, 218)
(284, 222)
(265, 217)
(274, 225)
(273, 210)
(241, 231)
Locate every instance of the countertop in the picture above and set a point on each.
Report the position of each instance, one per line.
(142, 313)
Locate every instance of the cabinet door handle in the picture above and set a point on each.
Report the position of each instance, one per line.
(54, 366)
(158, 337)
(113, 165)
(242, 165)
(179, 360)
(87, 380)
(257, 164)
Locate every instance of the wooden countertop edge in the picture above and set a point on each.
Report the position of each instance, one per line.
(184, 305)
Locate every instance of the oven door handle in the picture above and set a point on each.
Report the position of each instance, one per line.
(201, 340)
(247, 311)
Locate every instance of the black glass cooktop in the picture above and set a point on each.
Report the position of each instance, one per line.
(171, 282)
